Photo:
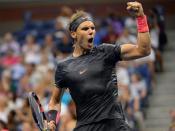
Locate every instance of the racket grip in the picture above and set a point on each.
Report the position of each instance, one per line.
(46, 126)
(46, 129)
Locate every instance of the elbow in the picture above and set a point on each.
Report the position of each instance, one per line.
(145, 51)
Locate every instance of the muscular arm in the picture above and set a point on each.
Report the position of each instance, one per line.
(55, 101)
(55, 104)
(142, 47)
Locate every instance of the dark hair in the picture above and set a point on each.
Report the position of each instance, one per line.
(77, 18)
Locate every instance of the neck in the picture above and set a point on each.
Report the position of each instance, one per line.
(78, 50)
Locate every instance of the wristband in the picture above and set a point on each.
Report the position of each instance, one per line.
(54, 115)
(142, 25)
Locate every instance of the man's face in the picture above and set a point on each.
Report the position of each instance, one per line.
(85, 34)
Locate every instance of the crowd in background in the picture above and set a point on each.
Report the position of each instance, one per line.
(28, 60)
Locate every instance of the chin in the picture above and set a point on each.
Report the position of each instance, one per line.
(90, 46)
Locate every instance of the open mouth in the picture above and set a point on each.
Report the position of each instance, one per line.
(90, 40)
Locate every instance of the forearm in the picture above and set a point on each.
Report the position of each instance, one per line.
(55, 100)
(55, 105)
(143, 39)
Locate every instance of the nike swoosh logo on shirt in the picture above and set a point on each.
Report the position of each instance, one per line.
(82, 71)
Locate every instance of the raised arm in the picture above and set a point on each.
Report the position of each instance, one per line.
(142, 47)
(55, 107)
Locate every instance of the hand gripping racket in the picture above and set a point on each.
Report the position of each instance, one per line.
(38, 112)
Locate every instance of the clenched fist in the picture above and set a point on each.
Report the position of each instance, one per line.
(135, 8)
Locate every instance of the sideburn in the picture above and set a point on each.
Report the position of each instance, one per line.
(80, 42)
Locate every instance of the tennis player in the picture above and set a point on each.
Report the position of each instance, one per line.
(87, 73)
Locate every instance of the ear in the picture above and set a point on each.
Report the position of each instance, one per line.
(73, 34)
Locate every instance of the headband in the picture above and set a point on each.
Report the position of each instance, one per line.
(74, 24)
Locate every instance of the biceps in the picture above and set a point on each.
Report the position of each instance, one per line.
(129, 52)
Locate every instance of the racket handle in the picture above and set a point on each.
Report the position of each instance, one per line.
(46, 127)
(46, 130)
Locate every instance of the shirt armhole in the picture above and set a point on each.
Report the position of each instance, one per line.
(117, 51)
(59, 77)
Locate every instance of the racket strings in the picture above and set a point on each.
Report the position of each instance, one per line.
(38, 112)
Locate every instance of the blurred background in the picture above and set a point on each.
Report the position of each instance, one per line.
(34, 37)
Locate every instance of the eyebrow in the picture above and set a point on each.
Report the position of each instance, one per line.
(87, 27)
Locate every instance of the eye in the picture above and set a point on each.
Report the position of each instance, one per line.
(85, 28)
(93, 28)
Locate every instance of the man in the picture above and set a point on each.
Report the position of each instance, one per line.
(88, 74)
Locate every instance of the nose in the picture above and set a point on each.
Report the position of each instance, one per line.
(90, 31)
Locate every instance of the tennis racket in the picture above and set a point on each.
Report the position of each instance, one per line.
(38, 112)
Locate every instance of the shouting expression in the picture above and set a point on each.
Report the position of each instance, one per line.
(84, 35)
